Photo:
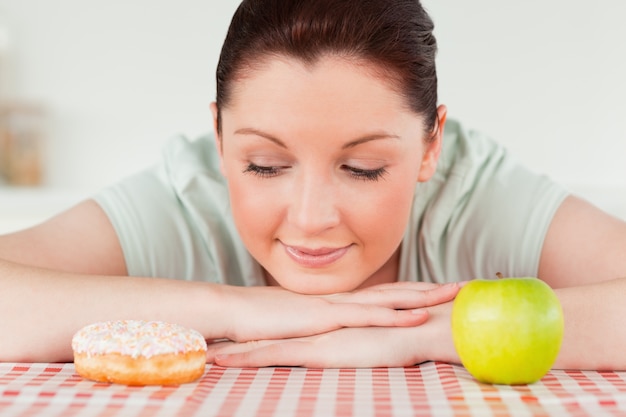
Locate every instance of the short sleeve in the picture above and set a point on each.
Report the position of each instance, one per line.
(173, 220)
(482, 213)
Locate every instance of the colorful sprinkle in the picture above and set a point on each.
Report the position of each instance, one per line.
(136, 338)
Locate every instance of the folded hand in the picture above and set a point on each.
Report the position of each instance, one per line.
(361, 328)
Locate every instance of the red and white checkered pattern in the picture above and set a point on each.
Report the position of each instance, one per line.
(429, 389)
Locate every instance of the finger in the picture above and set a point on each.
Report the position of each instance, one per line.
(305, 352)
(357, 294)
(214, 348)
(440, 295)
(241, 347)
(280, 353)
(407, 285)
(365, 315)
(400, 298)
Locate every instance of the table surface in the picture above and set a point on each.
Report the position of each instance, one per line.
(439, 389)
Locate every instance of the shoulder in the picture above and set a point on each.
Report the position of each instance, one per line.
(482, 212)
(464, 150)
(181, 206)
(184, 159)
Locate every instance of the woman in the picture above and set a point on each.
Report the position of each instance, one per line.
(319, 224)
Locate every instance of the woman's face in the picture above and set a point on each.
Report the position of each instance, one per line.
(321, 163)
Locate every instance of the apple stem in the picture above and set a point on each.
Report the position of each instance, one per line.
(499, 275)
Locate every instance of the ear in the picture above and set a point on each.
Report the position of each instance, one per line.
(433, 147)
(218, 138)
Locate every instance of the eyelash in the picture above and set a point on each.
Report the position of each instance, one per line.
(262, 171)
(366, 174)
(356, 173)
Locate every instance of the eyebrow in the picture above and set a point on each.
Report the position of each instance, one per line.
(256, 132)
(351, 144)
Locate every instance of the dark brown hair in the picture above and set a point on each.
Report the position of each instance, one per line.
(395, 35)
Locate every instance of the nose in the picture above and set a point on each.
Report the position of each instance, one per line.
(313, 206)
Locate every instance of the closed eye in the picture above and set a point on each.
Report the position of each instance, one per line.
(366, 174)
(263, 171)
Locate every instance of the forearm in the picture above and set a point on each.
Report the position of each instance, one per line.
(594, 336)
(41, 309)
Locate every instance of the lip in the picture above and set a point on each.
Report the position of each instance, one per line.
(315, 258)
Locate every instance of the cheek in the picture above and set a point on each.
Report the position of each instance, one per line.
(383, 219)
(255, 215)
(247, 207)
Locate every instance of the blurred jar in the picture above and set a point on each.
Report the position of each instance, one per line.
(21, 144)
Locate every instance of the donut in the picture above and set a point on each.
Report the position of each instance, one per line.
(137, 352)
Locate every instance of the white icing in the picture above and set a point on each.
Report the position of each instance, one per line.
(136, 338)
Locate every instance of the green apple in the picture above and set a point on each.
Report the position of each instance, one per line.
(507, 330)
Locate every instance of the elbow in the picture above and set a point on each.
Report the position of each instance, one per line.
(12, 352)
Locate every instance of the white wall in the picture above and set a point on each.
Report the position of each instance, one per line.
(118, 77)
(545, 77)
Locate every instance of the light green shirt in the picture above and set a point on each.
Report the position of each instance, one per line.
(481, 213)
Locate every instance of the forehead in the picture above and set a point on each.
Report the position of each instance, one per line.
(331, 97)
(330, 74)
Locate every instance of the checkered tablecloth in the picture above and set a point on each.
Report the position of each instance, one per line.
(429, 389)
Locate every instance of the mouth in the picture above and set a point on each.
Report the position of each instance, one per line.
(315, 258)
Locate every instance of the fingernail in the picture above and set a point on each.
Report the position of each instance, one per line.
(419, 311)
(220, 357)
(449, 286)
